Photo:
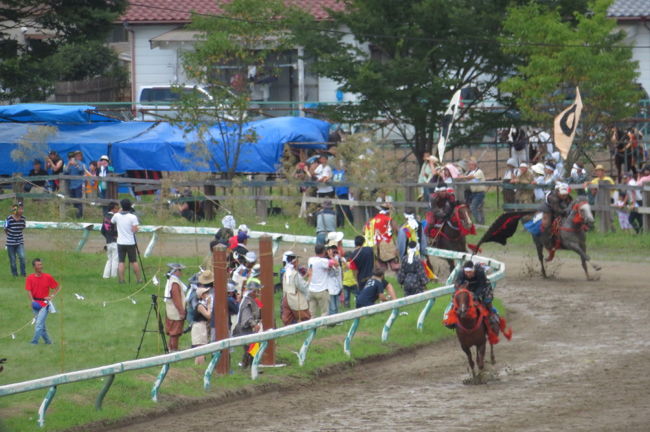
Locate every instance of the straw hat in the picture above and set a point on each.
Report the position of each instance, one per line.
(206, 277)
(599, 167)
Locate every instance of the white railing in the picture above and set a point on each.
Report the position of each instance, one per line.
(495, 270)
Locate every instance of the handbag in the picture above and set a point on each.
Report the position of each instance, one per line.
(387, 251)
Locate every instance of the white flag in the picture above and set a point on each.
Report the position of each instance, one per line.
(447, 122)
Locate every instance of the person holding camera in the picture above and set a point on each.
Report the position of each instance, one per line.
(76, 167)
(295, 291)
(174, 298)
(127, 225)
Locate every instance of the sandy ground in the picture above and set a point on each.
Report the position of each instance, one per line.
(577, 361)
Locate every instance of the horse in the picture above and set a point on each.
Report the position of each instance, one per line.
(471, 329)
(451, 234)
(571, 235)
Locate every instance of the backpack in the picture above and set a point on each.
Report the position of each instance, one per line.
(520, 141)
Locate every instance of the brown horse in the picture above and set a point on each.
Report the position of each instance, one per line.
(451, 233)
(471, 329)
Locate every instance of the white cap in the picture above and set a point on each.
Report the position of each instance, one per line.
(250, 256)
(523, 165)
(228, 221)
(103, 157)
(243, 228)
(562, 188)
(512, 162)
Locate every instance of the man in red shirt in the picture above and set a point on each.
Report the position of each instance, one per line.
(39, 285)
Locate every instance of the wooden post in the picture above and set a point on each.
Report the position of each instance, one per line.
(261, 205)
(268, 308)
(220, 314)
(208, 206)
(603, 206)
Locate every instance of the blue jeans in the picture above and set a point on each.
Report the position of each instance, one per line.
(476, 206)
(40, 331)
(77, 193)
(347, 294)
(13, 251)
(334, 304)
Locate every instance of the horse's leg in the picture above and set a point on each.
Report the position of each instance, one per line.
(584, 258)
(583, 246)
(480, 356)
(468, 353)
(540, 254)
(492, 359)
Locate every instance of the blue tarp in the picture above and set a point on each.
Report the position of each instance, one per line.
(163, 147)
(22, 113)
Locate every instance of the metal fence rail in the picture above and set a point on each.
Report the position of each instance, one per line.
(496, 271)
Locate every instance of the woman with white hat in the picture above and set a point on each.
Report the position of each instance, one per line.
(203, 312)
(174, 304)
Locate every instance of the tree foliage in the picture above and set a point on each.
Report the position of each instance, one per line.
(559, 55)
(405, 60)
(28, 71)
(228, 49)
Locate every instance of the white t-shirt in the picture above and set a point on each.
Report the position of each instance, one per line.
(319, 273)
(321, 172)
(124, 223)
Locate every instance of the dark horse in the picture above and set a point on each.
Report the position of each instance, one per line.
(471, 329)
(451, 234)
(571, 234)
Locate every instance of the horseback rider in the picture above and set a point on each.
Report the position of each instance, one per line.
(557, 204)
(443, 202)
(473, 278)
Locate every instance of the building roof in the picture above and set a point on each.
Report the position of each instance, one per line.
(629, 9)
(179, 12)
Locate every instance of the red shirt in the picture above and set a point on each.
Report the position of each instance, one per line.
(233, 242)
(40, 286)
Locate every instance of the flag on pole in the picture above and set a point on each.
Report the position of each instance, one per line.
(447, 122)
(565, 125)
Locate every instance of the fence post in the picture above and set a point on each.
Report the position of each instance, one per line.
(261, 205)
(208, 205)
(268, 291)
(220, 310)
(645, 194)
(602, 204)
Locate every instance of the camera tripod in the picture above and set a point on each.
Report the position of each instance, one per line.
(161, 329)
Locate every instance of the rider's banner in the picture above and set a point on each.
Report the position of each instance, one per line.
(447, 123)
(565, 125)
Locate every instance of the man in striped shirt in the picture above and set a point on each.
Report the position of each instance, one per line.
(14, 226)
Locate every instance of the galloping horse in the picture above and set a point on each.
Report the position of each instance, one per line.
(451, 234)
(471, 329)
(571, 234)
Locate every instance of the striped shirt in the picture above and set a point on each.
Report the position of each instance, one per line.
(14, 230)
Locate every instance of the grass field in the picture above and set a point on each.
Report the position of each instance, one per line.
(106, 326)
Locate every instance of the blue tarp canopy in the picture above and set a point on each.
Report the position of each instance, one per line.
(23, 113)
(164, 147)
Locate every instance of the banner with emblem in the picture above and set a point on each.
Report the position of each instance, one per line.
(447, 123)
(565, 125)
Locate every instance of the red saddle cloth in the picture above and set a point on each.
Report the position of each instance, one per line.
(484, 314)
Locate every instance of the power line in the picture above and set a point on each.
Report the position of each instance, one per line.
(406, 38)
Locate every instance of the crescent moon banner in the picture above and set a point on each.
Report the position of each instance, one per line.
(565, 125)
(447, 122)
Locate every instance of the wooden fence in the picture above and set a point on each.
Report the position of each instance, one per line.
(265, 192)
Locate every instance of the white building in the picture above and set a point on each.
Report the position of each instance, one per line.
(157, 40)
(633, 16)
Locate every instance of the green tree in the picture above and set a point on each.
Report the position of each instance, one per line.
(229, 49)
(28, 71)
(406, 59)
(559, 55)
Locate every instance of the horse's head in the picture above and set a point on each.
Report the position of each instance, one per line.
(463, 302)
(581, 214)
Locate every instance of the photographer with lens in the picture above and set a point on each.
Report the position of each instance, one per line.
(175, 291)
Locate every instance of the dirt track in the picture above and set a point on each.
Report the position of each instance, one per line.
(578, 361)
